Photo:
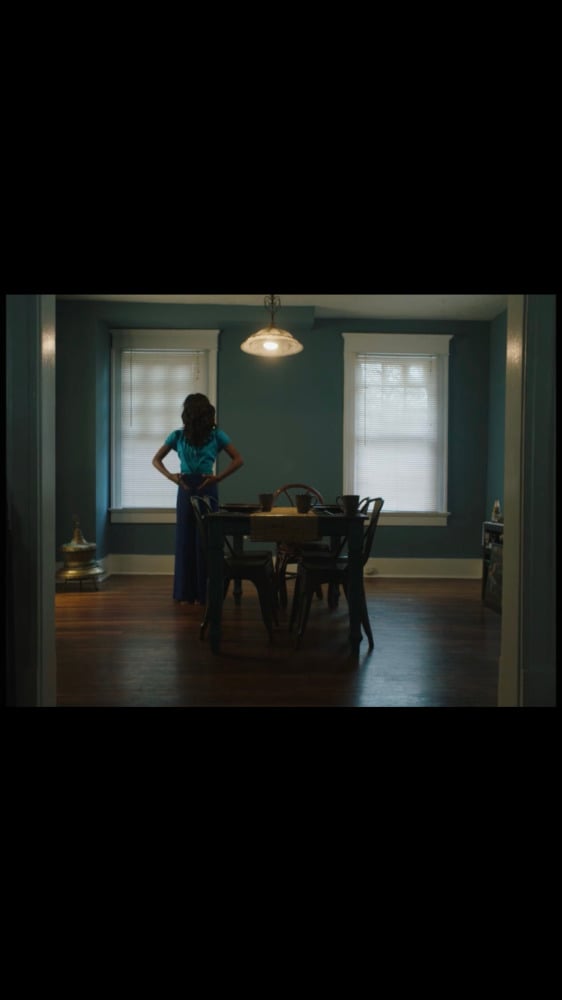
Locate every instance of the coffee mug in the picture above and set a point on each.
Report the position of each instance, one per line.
(349, 503)
(266, 501)
(302, 501)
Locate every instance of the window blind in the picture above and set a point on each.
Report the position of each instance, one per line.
(152, 387)
(398, 431)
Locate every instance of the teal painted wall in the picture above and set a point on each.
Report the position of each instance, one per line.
(286, 419)
(77, 405)
(496, 413)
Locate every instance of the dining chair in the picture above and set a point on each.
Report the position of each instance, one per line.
(333, 589)
(256, 566)
(241, 540)
(364, 505)
(332, 570)
(290, 552)
(290, 490)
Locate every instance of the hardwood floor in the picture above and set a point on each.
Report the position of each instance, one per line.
(130, 645)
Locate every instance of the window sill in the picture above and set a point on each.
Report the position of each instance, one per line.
(142, 515)
(433, 519)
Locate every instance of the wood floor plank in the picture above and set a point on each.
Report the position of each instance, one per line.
(130, 645)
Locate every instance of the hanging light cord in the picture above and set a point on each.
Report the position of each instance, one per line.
(272, 302)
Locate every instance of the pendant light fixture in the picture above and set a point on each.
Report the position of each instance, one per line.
(271, 342)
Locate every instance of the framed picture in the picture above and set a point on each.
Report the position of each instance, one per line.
(493, 586)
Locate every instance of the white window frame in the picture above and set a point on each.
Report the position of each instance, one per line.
(155, 340)
(395, 344)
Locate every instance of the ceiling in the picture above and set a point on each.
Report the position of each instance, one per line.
(455, 307)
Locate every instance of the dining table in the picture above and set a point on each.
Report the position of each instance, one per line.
(283, 524)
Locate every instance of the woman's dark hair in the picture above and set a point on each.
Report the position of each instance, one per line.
(198, 418)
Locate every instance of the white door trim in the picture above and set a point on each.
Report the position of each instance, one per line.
(509, 685)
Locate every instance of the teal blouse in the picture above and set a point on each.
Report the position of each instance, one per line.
(197, 460)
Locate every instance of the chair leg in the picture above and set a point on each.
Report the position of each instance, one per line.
(272, 586)
(365, 621)
(281, 582)
(266, 605)
(296, 602)
(366, 624)
(303, 617)
(204, 623)
(275, 593)
(207, 613)
(333, 596)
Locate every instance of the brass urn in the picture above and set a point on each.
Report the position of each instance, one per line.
(79, 560)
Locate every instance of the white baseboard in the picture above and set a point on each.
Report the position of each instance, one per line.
(119, 564)
(469, 569)
(464, 569)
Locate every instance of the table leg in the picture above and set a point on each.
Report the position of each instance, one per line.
(333, 588)
(215, 557)
(238, 546)
(355, 582)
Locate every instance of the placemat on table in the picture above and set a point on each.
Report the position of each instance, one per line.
(289, 526)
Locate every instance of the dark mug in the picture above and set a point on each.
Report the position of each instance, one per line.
(349, 503)
(303, 503)
(266, 501)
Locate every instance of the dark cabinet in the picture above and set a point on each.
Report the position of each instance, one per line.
(492, 564)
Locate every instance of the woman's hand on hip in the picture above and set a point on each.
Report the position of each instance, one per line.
(209, 481)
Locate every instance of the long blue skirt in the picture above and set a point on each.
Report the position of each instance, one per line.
(190, 571)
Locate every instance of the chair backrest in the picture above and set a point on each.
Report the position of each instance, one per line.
(371, 528)
(290, 490)
(201, 507)
(364, 505)
(369, 533)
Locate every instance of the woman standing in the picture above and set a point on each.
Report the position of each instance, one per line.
(197, 444)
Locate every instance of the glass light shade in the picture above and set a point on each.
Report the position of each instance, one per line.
(271, 342)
